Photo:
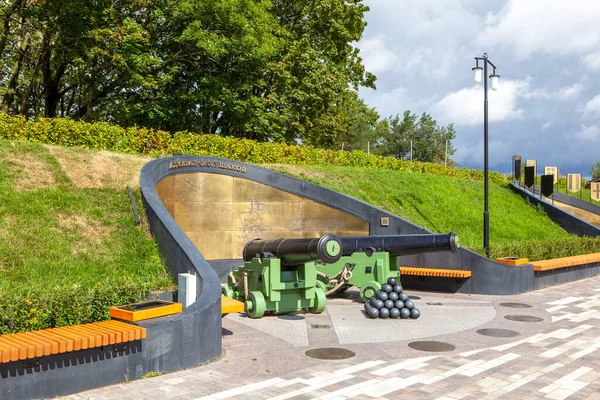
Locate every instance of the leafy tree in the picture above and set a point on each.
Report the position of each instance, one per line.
(427, 138)
(595, 170)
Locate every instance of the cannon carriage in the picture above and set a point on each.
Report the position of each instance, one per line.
(287, 275)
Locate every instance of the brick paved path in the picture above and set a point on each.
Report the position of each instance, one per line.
(556, 358)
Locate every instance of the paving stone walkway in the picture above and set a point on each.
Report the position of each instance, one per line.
(554, 354)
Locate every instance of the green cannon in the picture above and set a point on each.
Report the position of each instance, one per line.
(280, 276)
(368, 261)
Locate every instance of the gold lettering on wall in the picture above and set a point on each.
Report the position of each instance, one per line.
(207, 164)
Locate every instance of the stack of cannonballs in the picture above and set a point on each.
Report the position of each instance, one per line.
(391, 302)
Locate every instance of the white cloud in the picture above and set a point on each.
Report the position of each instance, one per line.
(588, 133)
(546, 126)
(388, 103)
(592, 61)
(592, 108)
(563, 93)
(376, 57)
(550, 26)
(465, 107)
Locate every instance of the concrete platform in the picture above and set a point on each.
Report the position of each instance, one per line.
(549, 347)
(344, 321)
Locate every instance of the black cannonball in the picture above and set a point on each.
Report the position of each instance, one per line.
(373, 312)
(392, 281)
(378, 304)
(393, 296)
(381, 295)
(404, 313)
(399, 304)
(386, 288)
(397, 288)
(409, 304)
(394, 313)
(384, 313)
(388, 304)
(403, 296)
(373, 300)
(415, 313)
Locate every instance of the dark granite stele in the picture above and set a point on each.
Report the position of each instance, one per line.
(193, 337)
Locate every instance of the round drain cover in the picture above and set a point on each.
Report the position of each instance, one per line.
(330, 353)
(431, 346)
(498, 332)
(523, 318)
(516, 305)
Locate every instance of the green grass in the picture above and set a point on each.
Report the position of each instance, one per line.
(59, 239)
(440, 204)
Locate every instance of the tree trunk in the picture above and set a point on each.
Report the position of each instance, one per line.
(9, 94)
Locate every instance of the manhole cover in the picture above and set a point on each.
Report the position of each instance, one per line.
(291, 317)
(319, 326)
(498, 332)
(431, 346)
(414, 297)
(523, 318)
(516, 305)
(330, 353)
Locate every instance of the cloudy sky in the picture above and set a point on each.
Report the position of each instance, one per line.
(547, 54)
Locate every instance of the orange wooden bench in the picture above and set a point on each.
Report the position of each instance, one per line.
(444, 273)
(555, 263)
(27, 345)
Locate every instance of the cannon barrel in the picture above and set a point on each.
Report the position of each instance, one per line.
(294, 251)
(400, 244)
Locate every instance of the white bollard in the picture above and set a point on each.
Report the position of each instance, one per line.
(186, 289)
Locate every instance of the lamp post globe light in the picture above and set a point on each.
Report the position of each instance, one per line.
(480, 74)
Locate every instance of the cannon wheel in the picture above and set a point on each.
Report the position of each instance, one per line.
(227, 292)
(256, 305)
(319, 301)
(369, 289)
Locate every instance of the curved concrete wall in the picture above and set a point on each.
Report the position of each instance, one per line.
(489, 277)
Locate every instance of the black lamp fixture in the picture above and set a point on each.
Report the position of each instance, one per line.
(478, 74)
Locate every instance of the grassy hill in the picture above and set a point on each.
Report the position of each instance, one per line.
(442, 204)
(69, 245)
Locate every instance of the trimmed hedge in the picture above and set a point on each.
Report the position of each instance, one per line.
(104, 136)
(30, 309)
(545, 249)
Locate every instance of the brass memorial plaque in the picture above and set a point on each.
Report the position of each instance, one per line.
(573, 182)
(552, 171)
(532, 163)
(221, 213)
(595, 190)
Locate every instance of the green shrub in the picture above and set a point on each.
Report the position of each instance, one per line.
(545, 249)
(28, 309)
(103, 136)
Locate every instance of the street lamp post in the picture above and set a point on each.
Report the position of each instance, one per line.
(477, 77)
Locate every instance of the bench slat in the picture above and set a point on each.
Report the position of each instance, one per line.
(435, 272)
(24, 345)
(555, 263)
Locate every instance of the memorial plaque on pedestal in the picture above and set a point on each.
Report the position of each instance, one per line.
(547, 185)
(573, 182)
(595, 189)
(529, 176)
(517, 167)
(552, 171)
(532, 163)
